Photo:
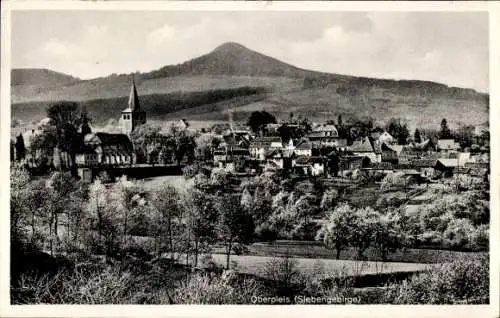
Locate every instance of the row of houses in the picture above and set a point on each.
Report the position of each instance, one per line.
(323, 152)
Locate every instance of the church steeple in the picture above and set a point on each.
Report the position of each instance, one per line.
(133, 100)
(132, 116)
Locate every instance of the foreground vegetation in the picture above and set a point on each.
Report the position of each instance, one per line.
(125, 243)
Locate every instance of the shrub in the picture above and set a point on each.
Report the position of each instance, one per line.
(213, 289)
(464, 281)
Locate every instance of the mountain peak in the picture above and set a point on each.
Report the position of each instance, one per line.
(230, 46)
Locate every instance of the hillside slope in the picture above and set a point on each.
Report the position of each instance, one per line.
(288, 89)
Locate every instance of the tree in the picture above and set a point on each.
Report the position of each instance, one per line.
(199, 219)
(337, 230)
(235, 224)
(416, 137)
(398, 128)
(386, 234)
(66, 117)
(61, 187)
(205, 145)
(166, 201)
(445, 132)
(259, 119)
(124, 199)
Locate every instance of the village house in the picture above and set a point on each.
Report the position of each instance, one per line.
(445, 146)
(303, 148)
(446, 167)
(384, 167)
(326, 136)
(350, 163)
(425, 166)
(365, 149)
(461, 157)
(390, 153)
(275, 158)
(260, 145)
(232, 158)
(312, 166)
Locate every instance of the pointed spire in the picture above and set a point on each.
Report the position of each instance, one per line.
(133, 100)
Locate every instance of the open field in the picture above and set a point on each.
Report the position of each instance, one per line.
(311, 249)
(179, 182)
(256, 265)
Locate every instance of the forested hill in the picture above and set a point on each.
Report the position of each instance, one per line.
(289, 89)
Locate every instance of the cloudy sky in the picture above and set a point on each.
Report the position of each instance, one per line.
(451, 48)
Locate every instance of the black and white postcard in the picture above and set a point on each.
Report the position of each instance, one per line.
(268, 155)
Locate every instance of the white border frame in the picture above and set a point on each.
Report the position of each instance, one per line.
(6, 310)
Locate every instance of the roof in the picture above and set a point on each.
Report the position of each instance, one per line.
(325, 128)
(362, 146)
(304, 144)
(449, 163)
(301, 160)
(447, 144)
(424, 163)
(395, 148)
(380, 166)
(423, 145)
(264, 141)
(272, 153)
(133, 99)
(109, 141)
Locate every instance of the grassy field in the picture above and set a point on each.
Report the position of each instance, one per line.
(256, 265)
(312, 249)
(179, 182)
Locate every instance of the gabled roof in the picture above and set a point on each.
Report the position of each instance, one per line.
(449, 163)
(424, 163)
(423, 145)
(447, 144)
(304, 144)
(325, 128)
(362, 146)
(264, 142)
(133, 99)
(109, 141)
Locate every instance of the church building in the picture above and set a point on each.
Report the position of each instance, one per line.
(110, 149)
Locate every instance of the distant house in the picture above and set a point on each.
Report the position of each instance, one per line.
(461, 157)
(260, 145)
(275, 157)
(347, 162)
(365, 148)
(390, 153)
(380, 166)
(326, 136)
(425, 146)
(425, 166)
(314, 166)
(303, 148)
(235, 157)
(447, 145)
(446, 166)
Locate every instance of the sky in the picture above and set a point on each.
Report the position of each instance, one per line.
(446, 47)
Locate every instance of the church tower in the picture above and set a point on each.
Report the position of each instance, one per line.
(132, 116)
